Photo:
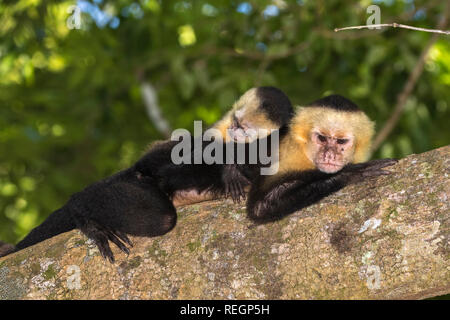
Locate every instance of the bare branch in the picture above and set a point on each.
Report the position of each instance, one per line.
(393, 25)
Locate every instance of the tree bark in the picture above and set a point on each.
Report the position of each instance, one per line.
(387, 238)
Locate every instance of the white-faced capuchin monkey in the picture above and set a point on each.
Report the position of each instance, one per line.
(323, 150)
(138, 200)
(266, 108)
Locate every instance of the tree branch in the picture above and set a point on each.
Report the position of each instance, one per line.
(393, 25)
(387, 238)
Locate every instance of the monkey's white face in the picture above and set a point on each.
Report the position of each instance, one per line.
(329, 151)
(242, 129)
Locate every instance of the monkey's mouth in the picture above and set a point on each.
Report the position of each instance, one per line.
(241, 135)
(329, 167)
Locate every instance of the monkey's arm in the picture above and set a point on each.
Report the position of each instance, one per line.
(190, 182)
(299, 190)
(235, 185)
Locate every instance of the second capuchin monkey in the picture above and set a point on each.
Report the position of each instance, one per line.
(323, 150)
(266, 108)
(138, 200)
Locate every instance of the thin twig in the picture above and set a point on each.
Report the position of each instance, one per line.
(352, 35)
(393, 25)
(409, 86)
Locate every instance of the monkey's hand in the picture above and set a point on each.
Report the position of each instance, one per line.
(101, 235)
(234, 182)
(358, 172)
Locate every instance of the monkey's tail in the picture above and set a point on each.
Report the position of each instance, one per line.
(58, 222)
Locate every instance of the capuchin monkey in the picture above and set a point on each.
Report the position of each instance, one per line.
(323, 150)
(266, 108)
(138, 200)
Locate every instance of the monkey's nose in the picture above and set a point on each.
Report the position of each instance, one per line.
(329, 156)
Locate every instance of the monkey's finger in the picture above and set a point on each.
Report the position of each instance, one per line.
(381, 163)
(115, 239)
(110, 256)
(118, 243)
(241, 192)
(373, 164)
(231, 193)
(375, 173)
(122, 236)
(105, 250)
(235, 193)
(238, 192)
(109, 234)
(227, 190)
(246, 181)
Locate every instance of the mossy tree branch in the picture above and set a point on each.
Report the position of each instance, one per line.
(387, 238)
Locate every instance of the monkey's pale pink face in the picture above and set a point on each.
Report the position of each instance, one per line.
(331, 152)
(249, 125)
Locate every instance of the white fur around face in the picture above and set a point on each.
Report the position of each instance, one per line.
(338, 124)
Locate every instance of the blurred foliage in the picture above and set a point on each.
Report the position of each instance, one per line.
(71, 110)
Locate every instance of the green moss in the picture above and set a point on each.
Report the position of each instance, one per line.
(158, 254)
(18, 258)
(52, 296)
(35, 268)
(55, 251)
(131, 264)
(193, 246)
(397, 185)
(79, 243)
(362, 212)
(426, 169)
(260, 262)
(135, 262)
(392, 214)
(49, 273)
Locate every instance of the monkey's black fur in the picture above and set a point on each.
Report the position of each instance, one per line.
(124, 203)
(297, 190)
(276, 104)
(137, 201)
(336, 102)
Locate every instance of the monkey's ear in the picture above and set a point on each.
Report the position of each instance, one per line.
(301, 138)
(363, 141)
(300, 132)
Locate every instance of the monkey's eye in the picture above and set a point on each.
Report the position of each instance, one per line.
(243, 126)
(322, 138)
(342, 141)
(236, 123)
